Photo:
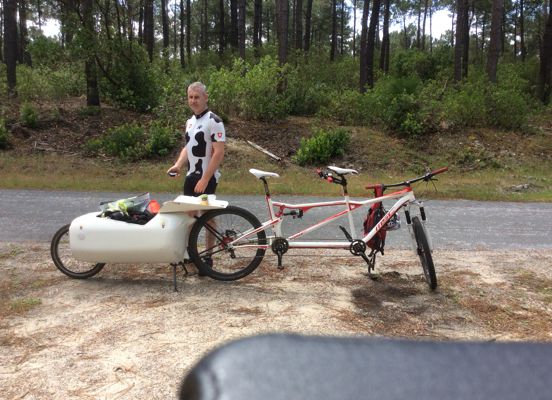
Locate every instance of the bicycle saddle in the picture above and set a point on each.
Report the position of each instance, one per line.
(263, 174)
(343, 171)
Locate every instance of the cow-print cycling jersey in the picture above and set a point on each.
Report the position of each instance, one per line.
(201, 131)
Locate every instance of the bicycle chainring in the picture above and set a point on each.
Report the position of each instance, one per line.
(280, 246)
(357, 247)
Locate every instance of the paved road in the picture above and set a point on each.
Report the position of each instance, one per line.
(35, 215)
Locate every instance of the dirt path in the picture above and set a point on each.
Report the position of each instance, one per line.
(126, 334)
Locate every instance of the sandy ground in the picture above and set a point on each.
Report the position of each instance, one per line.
(126, 334)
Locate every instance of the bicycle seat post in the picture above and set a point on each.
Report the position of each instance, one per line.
(265, 184)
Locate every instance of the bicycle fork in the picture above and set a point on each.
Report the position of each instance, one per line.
(423, 217)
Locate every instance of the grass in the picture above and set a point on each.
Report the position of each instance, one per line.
(24, 304)
(51, 172)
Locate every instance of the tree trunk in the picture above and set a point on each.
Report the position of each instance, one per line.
(426, 4)
(282, 9)
(257, 25)
(452, 30)
(430, 26)
(308, 15)
(241, 28)
(371, 41)
(24, 55)
(130, 18)
(182, 24)
(204, 40)
(10, 44)
(385, 42)
(354, 27)
(165, 23)
(2, 32)
(459, 42)
(342, 28)
(175, 30)
(363, 49)
(141, 23)
(334, 31)
(222, 28)
(545, 71)
(67, 21)
(522, 30)
(299, 25)
(148, 28)
(234, 24)
(466, 40)
(418, 30)
(494, 46)
(483, 30)
(188, 30)
(92, 91)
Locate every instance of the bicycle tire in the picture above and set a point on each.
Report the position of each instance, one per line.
(64, 261)
(220, 261)
(424, 253)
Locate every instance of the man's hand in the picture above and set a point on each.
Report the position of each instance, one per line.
(174, 171)
(201, 185)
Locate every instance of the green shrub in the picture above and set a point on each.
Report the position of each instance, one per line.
(172, 109)
(28, 115)
(4, 135)
(126, 142)
(351, 107)
(414, 63)
(262, 89)
(466, 106)
(253, 91)
(45, 83)
(507, 108)
(133, 79)
(161, 139)
(322, 146)
(46, 51)
(131, 142)
(224, 88)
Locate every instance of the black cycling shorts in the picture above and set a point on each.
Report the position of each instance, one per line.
(191, 181)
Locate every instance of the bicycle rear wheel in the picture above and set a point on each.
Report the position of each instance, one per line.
(63, 258)
(210, 246)
(424, 253)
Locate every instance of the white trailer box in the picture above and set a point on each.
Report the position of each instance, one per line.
(163, 239)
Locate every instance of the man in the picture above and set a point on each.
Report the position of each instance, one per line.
(204, 145)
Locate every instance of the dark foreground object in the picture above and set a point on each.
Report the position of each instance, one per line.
(317, 368)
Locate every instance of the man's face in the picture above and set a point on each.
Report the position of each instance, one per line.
(197, 100)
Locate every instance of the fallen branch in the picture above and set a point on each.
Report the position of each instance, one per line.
(268, 153)
(43, 146)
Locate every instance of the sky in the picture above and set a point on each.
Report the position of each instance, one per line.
(441, 22)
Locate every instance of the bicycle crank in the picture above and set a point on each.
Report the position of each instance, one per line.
(280, 246)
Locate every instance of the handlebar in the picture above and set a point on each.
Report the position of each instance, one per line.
(426, 177)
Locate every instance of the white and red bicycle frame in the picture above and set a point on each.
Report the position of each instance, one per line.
(277, 213)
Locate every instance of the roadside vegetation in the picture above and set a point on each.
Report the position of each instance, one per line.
(494, 131)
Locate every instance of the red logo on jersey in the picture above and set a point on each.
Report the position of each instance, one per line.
(219, 135)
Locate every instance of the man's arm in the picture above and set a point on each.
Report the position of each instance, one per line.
(216, 159)
(180, 162)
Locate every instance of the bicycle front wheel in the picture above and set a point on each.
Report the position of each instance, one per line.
(63, 258)
(215, 246)
(424, 253)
